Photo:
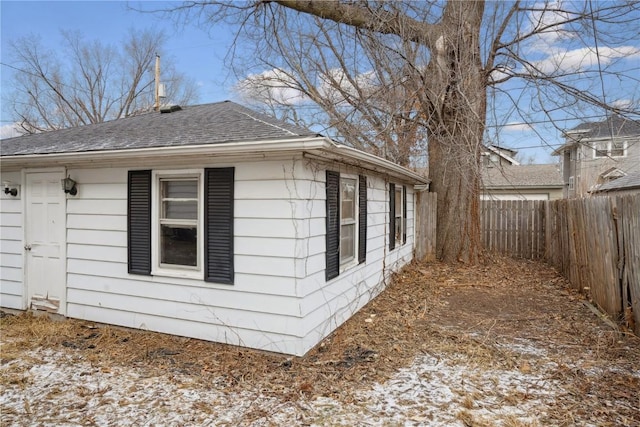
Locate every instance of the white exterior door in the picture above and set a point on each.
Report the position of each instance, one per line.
(45, 235)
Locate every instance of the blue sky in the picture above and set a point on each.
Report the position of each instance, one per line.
(200, 53)
(197, 53)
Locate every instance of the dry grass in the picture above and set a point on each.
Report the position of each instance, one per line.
(477, 316)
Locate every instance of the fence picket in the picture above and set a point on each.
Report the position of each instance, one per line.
(593, 242)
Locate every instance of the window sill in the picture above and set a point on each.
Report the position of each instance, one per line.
(348, 266)
(181, 274)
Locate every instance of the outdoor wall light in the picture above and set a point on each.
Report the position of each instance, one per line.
(69, 186)
(8, 190)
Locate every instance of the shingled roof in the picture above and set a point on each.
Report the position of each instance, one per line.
(614, 125)
(631, 181)
(531, 176)
(193, 125)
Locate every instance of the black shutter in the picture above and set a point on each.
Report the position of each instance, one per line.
(333, 225)
(362, 219)
(392, 216)
(218, 225)
(139, 222)
(404, 214)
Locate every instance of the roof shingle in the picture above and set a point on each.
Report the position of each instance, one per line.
(614, 125)
(522, 176)
(627, 182)
(193, 125)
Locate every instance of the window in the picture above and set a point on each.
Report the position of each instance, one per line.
(346, 222)
(179, 240)
(397, 215)
(615, 148)
(180, 223)
(571, 183)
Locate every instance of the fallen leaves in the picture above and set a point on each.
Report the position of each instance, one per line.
(509, 331)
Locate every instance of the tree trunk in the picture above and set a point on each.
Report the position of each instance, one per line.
(453, 103)
(456, 115)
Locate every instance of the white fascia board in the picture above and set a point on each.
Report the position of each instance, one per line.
(110, 156)
(344, 151)
(315, 144)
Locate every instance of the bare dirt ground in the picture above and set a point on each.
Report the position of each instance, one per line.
(506, 343)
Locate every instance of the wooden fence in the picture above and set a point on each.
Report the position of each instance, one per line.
(425, 212)
(514, 227)
(594, 242)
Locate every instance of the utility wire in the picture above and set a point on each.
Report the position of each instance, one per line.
(604, 96)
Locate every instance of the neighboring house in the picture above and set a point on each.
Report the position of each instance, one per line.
(596, 153)
(525, 182)
(213, 222)
(495, 156)
(628, 184)
(504, 178)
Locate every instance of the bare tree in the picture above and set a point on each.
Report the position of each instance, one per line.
(90, 82)
(390, 76)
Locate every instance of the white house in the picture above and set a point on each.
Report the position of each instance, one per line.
(212, 222)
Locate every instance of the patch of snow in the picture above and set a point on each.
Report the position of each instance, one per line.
(433, 391)
(52, 388)
(524, 347)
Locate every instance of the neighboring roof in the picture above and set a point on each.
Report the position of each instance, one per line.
(506, 153)
(199, 124)
(614, 125)
(524, 176)
(510, 151)
(628, 182)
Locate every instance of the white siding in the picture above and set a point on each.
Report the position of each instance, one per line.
(280, 300)
(277, 222)
(326, 305)
(11, 245)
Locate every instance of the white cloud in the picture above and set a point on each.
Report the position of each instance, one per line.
(573, 61)
(9, 131)
(547, 21)
(517, 127)
(272, 86)
(337, 86)
(622, 103)
(501, 73)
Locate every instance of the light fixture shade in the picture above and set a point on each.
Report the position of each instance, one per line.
(69, 186)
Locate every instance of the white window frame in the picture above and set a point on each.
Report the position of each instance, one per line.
(399, 220)
(609, 148)
(159, 269)
(571, 183)
(348, 263)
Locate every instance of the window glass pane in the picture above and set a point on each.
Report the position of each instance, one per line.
(179, 245)
(348, 199)
(398, 230)
(172, 209)
(600, 149)
(398, 214)
(617, 149)
(179, 198)
(347, 242)
(180, 189)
